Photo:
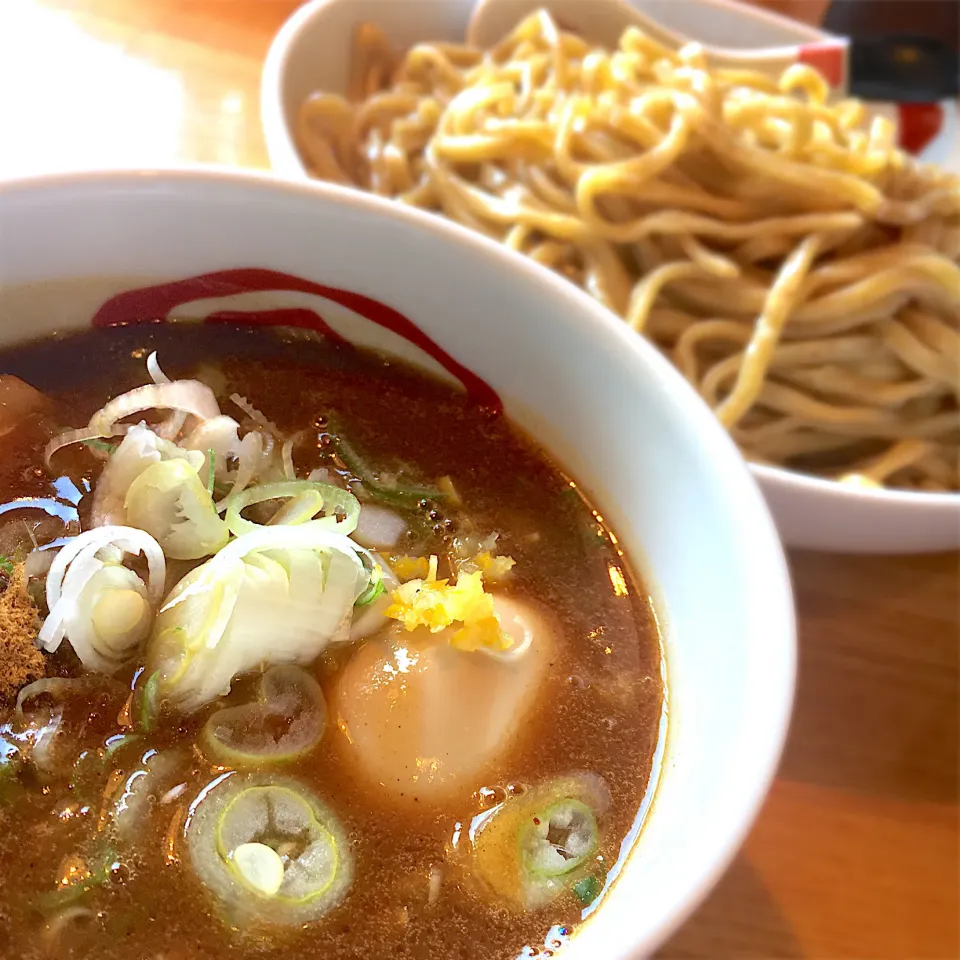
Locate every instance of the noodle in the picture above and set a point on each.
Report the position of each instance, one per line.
(801, 272)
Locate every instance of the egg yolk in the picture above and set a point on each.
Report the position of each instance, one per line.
(425, 719)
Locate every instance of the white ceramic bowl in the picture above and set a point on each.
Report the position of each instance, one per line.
(604, 403)
(312, 51)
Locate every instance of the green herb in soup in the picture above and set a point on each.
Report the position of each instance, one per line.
(302, 653)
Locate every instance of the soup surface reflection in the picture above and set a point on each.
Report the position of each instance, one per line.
(260, 732)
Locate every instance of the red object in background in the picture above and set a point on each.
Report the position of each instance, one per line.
(920, 124)
(830, 59)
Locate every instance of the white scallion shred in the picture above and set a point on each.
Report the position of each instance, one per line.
(102, 608)
(340, 508)
(66, 439)
(222, 436)
(286, 455)
(255, 415)
(170, 503)
(260, 866)
(251, 455)
(280, 594)
(139, 449)
(153, 368)
(184, 396)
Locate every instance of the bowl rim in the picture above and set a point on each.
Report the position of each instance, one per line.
(774, 697)
(927, 500)
(280, 141)
(285, 158)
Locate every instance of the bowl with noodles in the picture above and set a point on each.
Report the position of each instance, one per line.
(773, 241)
(325, 302)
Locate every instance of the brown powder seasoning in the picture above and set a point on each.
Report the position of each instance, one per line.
(21, 662)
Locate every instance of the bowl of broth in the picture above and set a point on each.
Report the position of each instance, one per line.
(715, 199)
(338, 618)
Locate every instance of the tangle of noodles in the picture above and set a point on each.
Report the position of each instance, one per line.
(798, 268)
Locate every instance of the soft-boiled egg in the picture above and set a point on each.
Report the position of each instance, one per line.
(425, 719)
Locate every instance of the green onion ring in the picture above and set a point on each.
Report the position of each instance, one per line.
(331, 500)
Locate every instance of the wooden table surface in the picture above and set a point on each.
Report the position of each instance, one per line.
(856, 851)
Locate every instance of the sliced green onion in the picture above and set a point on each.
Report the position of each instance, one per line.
(559, 839)
(587, 890)
(93, 763)
(211, 470)
(100, 865)
(150, 702)
(85, 766)
(96, 444)
(287, 720)
(403, 495)
(536, 845)
(310, 498)
(148, 777)
(238, 817)
(376, 589)
(118, 743)
(288, 823)
(91, 767)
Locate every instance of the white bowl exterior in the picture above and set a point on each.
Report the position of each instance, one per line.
(312, 51)
(611, 410)
(294, 67)
(822, 515)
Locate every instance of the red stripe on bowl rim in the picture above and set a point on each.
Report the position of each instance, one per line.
(154, 303)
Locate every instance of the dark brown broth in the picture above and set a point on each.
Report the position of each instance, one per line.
(600, 709)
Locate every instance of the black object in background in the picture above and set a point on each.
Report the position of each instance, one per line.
(903, 50)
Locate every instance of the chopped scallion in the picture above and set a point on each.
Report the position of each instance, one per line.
(90, 767)
(211, 470)
(9, 768)
(399, 494)
(149, 702)
(100, 864)
(587, 890)
(86, 763)
(375, 590)
(117, 743)
(338, 510)
(100, 445)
